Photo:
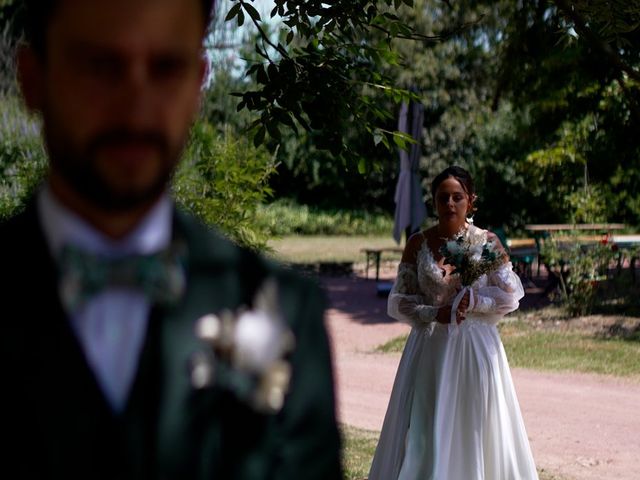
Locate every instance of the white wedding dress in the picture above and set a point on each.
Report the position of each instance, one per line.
(453, 412)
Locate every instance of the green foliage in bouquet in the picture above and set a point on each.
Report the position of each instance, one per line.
(471, 257)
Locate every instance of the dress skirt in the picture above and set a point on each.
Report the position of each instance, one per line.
(453, 412)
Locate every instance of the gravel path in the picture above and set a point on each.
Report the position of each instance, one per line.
(581, 426)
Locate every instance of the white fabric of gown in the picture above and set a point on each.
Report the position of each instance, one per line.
(453, 412)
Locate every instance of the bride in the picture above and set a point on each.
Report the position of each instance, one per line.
(453, 412)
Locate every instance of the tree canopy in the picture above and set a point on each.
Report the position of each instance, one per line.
(539, 99)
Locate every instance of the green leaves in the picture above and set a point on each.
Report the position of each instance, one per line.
(23, 162)
(253, 13)
(235, 11)
(223, 180)
(238, 11)
(328, 76)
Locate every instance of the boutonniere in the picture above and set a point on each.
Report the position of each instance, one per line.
(247, 352)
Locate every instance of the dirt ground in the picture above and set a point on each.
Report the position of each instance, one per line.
(581, 426)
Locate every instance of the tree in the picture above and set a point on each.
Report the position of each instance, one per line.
(520, 92)
(572, 114)
(323, 71)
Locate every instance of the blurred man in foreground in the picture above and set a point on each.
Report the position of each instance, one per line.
(135, 342)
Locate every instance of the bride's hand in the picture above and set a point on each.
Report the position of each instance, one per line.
(444, 314)
(463, 306)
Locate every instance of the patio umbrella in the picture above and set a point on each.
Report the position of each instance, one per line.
(410, 207)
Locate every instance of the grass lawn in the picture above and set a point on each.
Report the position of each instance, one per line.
(563, 346)
(311, 249)
(359, 447)
(570, 350)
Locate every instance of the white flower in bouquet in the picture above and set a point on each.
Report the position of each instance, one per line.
(476, 252)
(453, 247)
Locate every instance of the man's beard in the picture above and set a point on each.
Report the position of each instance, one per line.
(79, 168)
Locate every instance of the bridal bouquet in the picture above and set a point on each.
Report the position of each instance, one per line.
(472, 256)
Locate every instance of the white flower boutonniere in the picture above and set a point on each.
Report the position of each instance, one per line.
(248, 352)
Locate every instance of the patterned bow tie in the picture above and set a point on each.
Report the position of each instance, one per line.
(83, 275)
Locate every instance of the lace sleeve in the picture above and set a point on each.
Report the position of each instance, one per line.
(501, 294)
(405, 303)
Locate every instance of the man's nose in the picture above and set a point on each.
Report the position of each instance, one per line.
(133, 81)
(134, 97)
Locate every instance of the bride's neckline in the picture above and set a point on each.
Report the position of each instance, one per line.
(440, 271)
(461, 232)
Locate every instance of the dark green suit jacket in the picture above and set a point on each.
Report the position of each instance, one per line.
(57, 424)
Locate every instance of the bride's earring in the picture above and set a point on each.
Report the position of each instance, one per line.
(470, 215)
(471, 212)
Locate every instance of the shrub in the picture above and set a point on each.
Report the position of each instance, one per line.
(581, 268)
(22, 155)
(284, 217)
(222, 179)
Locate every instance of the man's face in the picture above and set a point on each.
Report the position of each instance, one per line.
(118, 89)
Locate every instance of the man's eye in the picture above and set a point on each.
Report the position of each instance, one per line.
(168, 67)
(102, 66)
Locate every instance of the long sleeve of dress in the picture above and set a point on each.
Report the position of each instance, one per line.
(501, 294)
(405, 303)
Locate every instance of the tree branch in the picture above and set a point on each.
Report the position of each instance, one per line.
(597, 42)
(427, 38)
(265, 37)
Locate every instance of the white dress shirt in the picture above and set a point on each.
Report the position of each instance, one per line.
(111, 326)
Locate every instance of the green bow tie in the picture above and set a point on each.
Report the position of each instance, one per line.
(83, 275)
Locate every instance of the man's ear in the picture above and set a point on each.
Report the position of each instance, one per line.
(31, 77)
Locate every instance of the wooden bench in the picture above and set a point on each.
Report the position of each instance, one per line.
(373, 257)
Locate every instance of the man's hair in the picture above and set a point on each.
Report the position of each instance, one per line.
(38, 14)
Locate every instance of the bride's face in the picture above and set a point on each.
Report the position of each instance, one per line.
(452, 204)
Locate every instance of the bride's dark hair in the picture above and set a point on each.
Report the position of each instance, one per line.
(459, 174)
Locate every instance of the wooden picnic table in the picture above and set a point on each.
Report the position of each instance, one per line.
(543, 230)
(627, 245)
(558, 227)
(373, 256)
(626, 241)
